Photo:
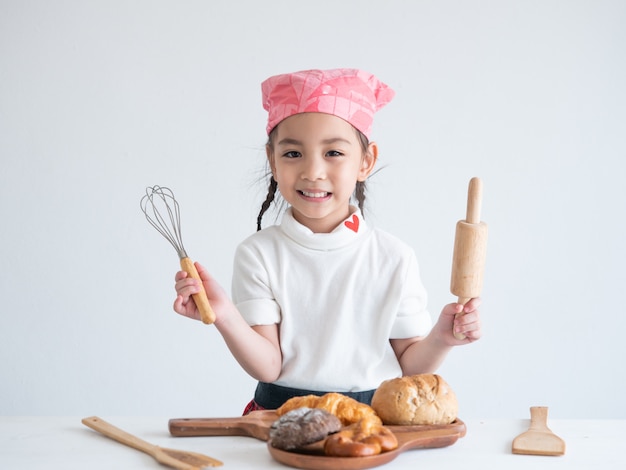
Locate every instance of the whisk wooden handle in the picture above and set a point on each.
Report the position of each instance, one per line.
(202, 302)
(470, 246)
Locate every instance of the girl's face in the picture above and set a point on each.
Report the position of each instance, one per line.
(317, 160)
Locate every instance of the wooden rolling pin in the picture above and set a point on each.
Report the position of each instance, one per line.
(470, 249)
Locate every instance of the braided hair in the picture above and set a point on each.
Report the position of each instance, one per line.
(272, 190)
(271, 194)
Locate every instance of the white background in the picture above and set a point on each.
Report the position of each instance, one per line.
(100, 99)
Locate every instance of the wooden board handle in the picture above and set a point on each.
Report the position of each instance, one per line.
(241, 426)
(202, 302)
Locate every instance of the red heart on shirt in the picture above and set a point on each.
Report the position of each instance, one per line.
(353, 224)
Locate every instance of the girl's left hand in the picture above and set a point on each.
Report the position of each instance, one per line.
(467, 324)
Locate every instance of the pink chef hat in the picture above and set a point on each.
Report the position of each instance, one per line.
(351, 94)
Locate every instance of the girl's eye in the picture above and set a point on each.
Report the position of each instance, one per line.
(334, 153)
(292, 154)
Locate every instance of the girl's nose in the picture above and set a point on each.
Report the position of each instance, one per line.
(313, 168)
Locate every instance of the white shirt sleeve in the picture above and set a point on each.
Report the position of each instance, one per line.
(251, 290)
(412, 318)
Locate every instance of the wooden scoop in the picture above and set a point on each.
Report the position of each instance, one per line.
(179, 459)
(538, 440)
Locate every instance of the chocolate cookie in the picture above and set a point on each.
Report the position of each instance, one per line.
(302, 426)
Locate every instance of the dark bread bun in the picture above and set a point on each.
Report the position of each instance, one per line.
(302, 426)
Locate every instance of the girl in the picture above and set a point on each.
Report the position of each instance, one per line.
(323, 302)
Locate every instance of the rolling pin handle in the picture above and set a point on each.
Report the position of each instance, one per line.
(462, 301)
(474, 201)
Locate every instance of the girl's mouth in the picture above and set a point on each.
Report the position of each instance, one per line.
(315, 195)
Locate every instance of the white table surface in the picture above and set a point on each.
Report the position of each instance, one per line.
(65, 443)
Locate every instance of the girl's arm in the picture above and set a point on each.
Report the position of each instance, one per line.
(421, 355)
(257, 349)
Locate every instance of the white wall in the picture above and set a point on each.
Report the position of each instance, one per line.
(100, 99)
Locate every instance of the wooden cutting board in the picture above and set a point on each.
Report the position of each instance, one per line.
(257, 424)
(313, 457)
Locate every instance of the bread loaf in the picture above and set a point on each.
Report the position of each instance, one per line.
(417, 399)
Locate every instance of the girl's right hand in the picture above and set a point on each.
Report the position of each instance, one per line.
(186, 286)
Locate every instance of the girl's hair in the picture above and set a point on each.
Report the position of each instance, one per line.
(359, 190)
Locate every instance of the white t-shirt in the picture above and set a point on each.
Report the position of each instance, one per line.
(337, 297)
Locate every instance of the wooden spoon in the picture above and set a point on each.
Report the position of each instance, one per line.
(313, 458)
(179, 459)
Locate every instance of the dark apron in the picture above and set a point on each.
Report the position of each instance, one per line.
(271, 396)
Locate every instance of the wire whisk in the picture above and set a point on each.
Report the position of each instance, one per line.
(163, 212)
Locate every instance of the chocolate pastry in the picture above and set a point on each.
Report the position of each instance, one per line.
(302, 426)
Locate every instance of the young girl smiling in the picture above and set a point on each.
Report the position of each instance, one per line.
(322, 301)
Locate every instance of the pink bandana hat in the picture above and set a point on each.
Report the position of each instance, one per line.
(351, 94)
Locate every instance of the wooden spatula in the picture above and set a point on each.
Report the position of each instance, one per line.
(538, 440)
(179, 459)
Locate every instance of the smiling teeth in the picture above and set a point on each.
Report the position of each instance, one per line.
(314, 194)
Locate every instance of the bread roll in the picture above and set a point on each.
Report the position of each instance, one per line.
(417, 399)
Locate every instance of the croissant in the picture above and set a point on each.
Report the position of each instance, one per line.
(347, 409)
